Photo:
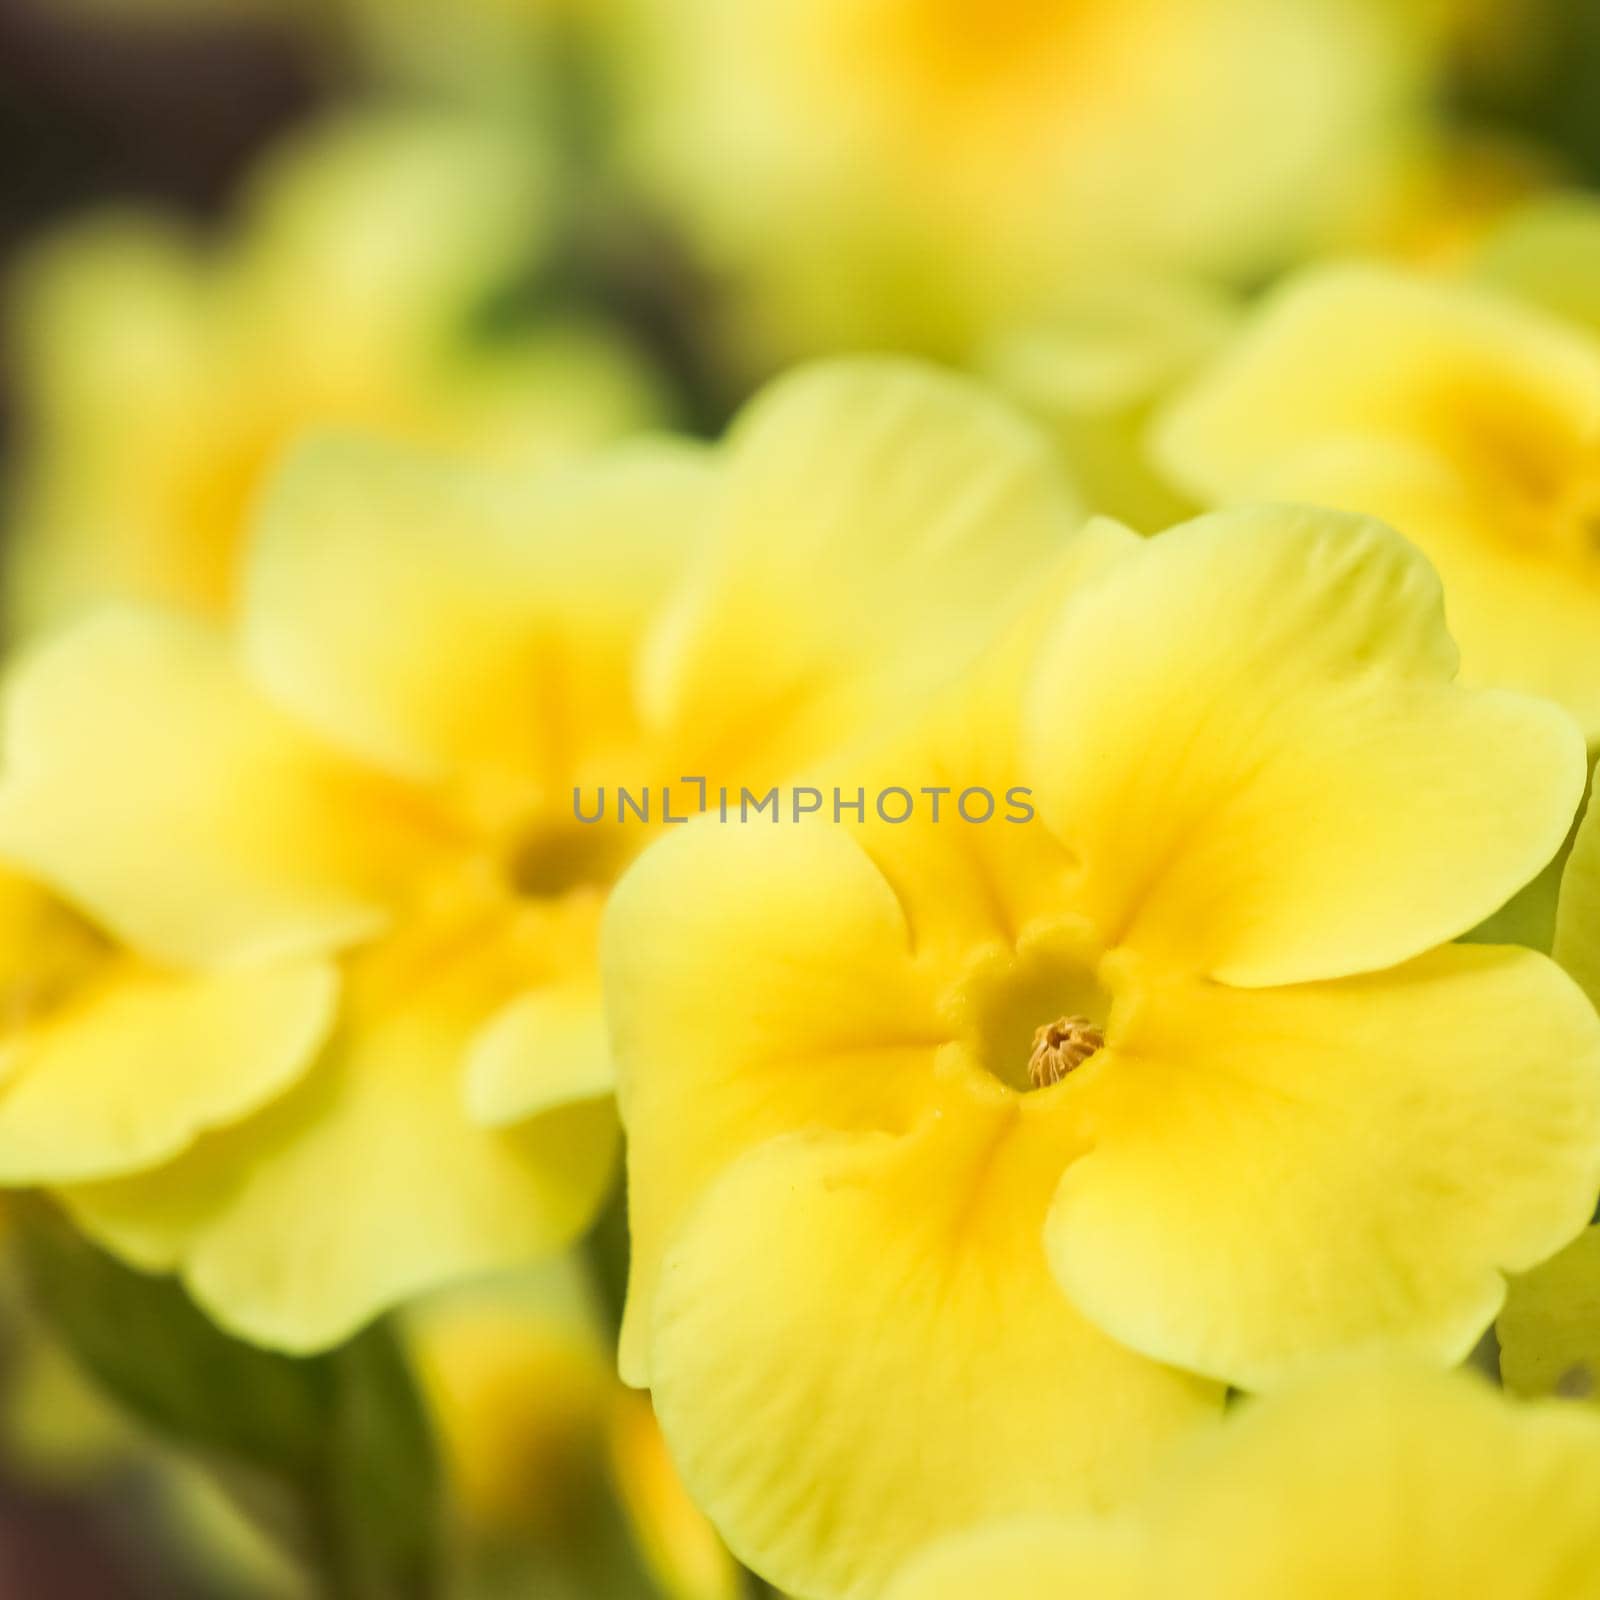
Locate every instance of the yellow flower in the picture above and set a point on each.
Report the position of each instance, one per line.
(160, 379)
(884, 1286)
(1390, 1484)
(1467, 419)
(377, 767)
(823, 152)
(536, 1429)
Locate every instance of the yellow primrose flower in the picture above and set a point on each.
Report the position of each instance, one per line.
(160, 378)
(949, 1140)
(536, 1428)
(823, 154)
(518, 1391)
(380, 766)
(1390, 1484)
(1467, 419)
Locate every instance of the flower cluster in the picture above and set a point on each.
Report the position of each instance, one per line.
(1012, 925)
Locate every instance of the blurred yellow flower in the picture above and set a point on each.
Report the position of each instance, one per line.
(536, 1428)
(906, 173)
(941, 1135)
(1467, 419)
(160, 376)
(381, 765)
(1390, 1484)
(519, 1390)
(81, 1023)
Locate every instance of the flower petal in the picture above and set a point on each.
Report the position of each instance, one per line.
(142, 1062)
(204, 828)
(1035, 1558)
(756, 983)
(1246, 732)
(912, 512)
(447, 622)
(1496, 389)
(545, 1050)
(1282, 1175)
(367, 1183)
(1522, 620)
(858, 1345)
(1385, 1482)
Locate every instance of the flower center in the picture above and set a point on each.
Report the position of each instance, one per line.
(549, 860)
(997, 1005)
(1061, 1046)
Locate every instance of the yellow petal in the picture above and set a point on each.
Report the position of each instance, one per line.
(909, 511)
(679, 1547)
(1502, 393)
(1577, 945)
(545, 1050)
(962, 885)
(1473, 434)
(857, 1346)
(368, 1183)
(1400, 1485)
(1281, 1175)
(202, 826)
(140, 1063)
(1043, 1558)
(447, 623)
(111, 307)
(755, 982)
(108, 1065)
(1522, 620)
(1246, 732)
(1388, 1483)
